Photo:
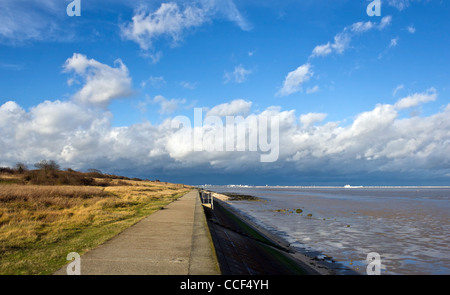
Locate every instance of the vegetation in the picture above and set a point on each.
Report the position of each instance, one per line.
(241, 197)
(47, 213)
(288, 211)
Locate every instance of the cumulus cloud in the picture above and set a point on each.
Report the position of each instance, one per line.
(416, 99)
(168, 106)
(102, 82)
(376, 140)
(234, 108)
(294, 80)
(312, 118)
(80, 136)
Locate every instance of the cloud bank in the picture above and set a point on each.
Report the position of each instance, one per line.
(78, 134)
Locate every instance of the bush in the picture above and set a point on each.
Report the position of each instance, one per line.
(6, 170)
(47, 165)
(20, 168)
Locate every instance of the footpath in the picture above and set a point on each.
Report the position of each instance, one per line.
(172, 241)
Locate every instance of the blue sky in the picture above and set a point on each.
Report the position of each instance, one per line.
(361, 99)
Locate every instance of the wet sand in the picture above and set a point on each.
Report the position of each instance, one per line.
(245, 248)
(408, 227)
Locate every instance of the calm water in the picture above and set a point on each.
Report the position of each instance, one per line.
(408, 227)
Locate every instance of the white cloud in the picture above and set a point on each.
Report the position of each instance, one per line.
(24, 21)
(411, 29)
(102, 82)
(52, 118)
(239, 75)
(322, 50)
(416, 99)
(174, 21)
(156, 82)
(400, 4)
(168, 106)
(394, 42)
(189, 85)
(342, 40)
(385, 21)
(168, 20)
(295, 79)
(397, 89)
(228, 9)
(154, 57)
(234, 108)
(79, 136)
(312, 118)
(312, 90)
(361, 27)
(375, 140)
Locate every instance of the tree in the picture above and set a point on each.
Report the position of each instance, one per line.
(92, 170)
(20, 168)
(47, 165)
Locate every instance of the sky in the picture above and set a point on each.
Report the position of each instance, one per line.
(351, 98)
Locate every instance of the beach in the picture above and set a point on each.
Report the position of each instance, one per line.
(408, 227)
(244, 247)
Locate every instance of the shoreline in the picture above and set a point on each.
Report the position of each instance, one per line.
(310, 263)
(206, 186)
(348, 225)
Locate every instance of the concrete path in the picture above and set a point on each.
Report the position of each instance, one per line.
(172, 241)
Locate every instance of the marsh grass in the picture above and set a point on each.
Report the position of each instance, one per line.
(40, 225)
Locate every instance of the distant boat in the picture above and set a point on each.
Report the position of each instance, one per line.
(349, 186)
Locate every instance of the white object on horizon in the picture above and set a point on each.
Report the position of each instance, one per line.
(349, 186)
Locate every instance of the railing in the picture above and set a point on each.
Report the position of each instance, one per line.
(207, 198)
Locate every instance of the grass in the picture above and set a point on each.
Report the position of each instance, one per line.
(41, 224)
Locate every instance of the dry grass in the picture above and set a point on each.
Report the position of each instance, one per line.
(40, 225)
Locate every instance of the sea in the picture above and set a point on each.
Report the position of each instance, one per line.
(408, 227)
